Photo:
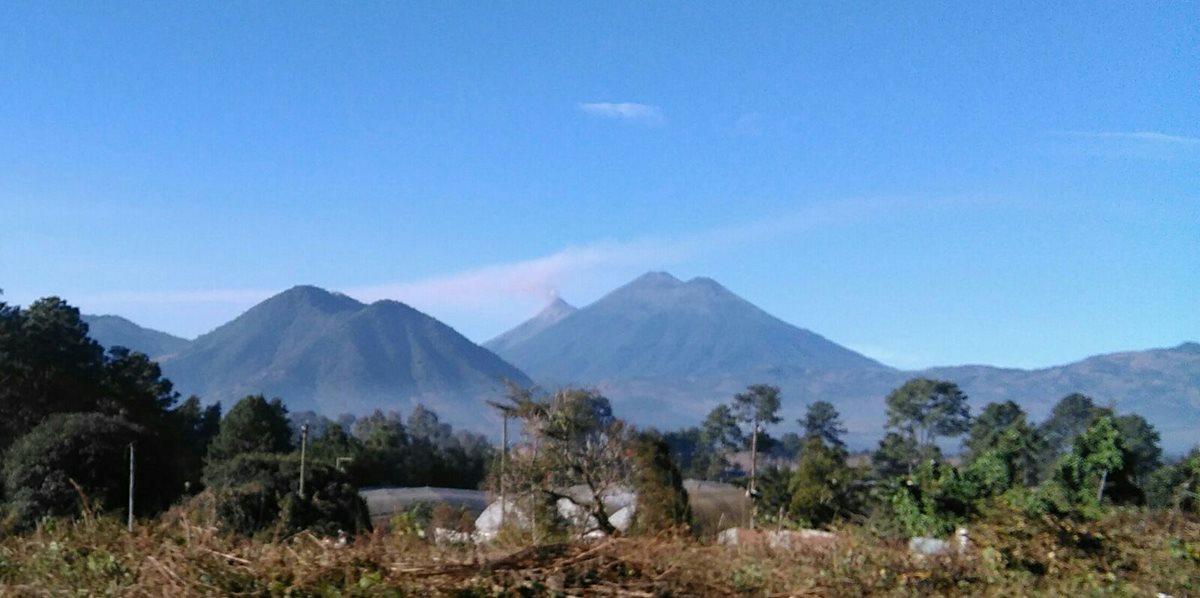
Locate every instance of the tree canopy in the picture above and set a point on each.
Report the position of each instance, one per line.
(926, 409)
(253, 425)
(822, 420)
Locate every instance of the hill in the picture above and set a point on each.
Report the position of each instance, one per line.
(330, 353)
(115, 331)
(1162, 385)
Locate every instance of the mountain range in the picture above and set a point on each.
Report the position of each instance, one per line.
(664, 350)
(330, 353)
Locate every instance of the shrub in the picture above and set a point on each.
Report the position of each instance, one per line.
(260, 491)
(662, 502)
(90, 451)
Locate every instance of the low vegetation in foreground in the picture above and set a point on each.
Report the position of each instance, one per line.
(1126, 553)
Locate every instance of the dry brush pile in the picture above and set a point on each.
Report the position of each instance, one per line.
(1130, 553)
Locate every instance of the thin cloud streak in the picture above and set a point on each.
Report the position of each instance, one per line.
(1145, 136)
(628, 111)
(498, 295)
(539, 279)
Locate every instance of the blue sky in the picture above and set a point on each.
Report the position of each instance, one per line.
(929, 183)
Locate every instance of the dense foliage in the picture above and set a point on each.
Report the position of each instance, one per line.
(254, 492)
(69, 412)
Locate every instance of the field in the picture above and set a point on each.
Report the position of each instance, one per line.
(1126, 553)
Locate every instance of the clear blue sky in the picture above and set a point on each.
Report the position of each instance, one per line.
(929, 183)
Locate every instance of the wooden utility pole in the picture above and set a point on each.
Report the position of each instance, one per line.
(505, 412)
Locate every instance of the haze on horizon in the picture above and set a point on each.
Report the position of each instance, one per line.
(1012, 184)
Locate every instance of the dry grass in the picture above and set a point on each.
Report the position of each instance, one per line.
(1129, 553)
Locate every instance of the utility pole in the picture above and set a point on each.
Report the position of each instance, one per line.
(130, 520)
(503, 467)
(752, 490)
(505, 412)
(303, 450)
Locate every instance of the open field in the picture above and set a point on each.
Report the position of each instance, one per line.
(1127, 553)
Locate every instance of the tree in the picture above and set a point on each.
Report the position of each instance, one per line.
(821, 420)
(259, 491)
(254, 425)
(1140, 441)
(424, 425)
(88, 450)
(1005, 462)
(1097, 452)
(193, 427)
(335, 444)
(47, 365)
(133, 388)
(387, 458)
(571, 438)
(1177, 485)
(719, 436)
(317, 425)
(821, 486)
(662, 503)
(789, 446)
(990, 425)
(1003, 427)
(926, 409)
(1069, 418)
(896, 455)
(720, 430)
(758, 406)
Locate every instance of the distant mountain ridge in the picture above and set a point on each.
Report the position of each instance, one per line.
(115, 331)
(1162, 385)
(328, 352)
(666, 351)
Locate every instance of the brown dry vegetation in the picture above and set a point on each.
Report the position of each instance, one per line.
(1128, 553)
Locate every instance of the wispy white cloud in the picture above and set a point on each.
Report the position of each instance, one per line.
(538, 279)
(1141, 136)
(492, 297)
(627, 111)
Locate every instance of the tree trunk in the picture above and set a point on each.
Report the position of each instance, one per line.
(1100, 490)
(600, 515)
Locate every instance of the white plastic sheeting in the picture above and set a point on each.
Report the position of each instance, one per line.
(488, 524)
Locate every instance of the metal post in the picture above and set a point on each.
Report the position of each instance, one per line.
(303, 450)
(130, 520)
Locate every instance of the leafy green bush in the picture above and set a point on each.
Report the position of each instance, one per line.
(931, 502)
(46, 470)
(260, 491)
